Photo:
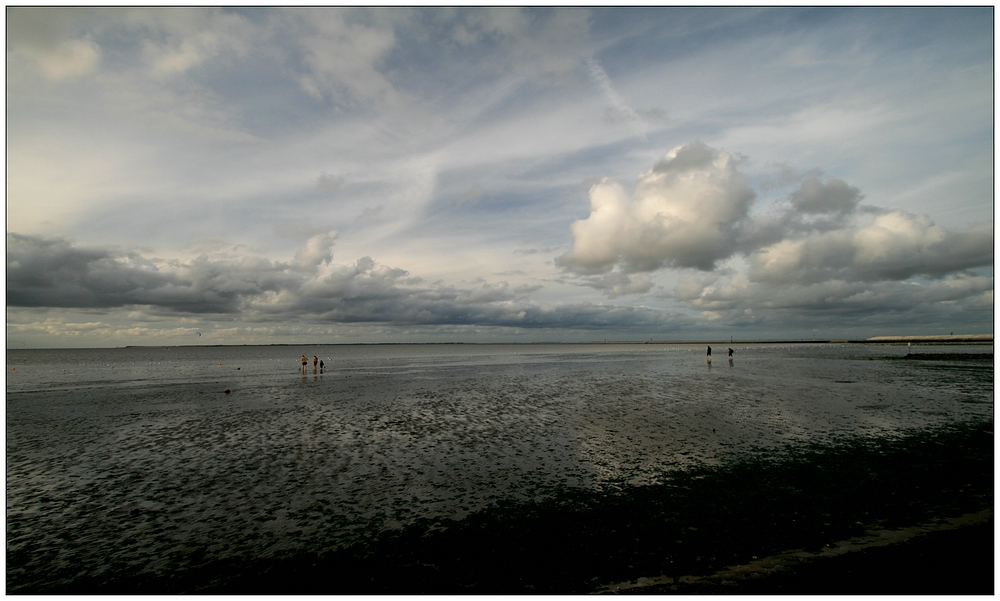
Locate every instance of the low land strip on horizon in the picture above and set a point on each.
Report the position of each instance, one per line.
(979, 338)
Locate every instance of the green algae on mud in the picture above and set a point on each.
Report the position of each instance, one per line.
(696, 522)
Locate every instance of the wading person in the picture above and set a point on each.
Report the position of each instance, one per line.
(708, 355)
(315, 361)
(304, 363)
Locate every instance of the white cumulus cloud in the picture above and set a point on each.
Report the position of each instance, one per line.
(685, 212)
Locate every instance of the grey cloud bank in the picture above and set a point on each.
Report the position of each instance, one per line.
(53, 273)
(506, 174)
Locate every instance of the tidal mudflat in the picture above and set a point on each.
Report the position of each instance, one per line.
(473, 468)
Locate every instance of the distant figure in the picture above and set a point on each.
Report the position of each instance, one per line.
(708, 355)
(315, 362)
(304, 363)
(730, 353)
(321, 366)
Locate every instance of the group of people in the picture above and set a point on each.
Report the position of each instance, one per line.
(316, 362)
(708, 354)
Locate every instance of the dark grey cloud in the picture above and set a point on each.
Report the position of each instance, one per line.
(961, 298)
(52, 272)
(818, 197)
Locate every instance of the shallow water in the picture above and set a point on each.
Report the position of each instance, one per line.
(134, 461)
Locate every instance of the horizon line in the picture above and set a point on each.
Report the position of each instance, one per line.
(874, 339)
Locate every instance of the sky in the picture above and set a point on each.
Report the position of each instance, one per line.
(412, 174)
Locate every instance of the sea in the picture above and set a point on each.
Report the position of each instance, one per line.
(145, 463)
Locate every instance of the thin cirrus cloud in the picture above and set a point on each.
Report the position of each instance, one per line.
(172, 168)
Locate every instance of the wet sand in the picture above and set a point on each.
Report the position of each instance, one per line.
(701, 523)
(558, 472)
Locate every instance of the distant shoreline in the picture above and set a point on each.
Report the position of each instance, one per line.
(934, 339)
(980, 338)
(956, 338)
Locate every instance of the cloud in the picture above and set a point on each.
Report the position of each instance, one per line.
(344, 59)
(818, 251)
(735, 297)
(52, 272)
(186, 38)
(617, 283)
(71, 58)
(317, 251)
(620, 109)
(692, 210)
(531, 41)
(832, 196)
(369, 213)
(686, 211)
(328, 182)
(41, 35)
(895, 246)
(471, 194)
(271, 126)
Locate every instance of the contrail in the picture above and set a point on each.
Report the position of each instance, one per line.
(601, 78)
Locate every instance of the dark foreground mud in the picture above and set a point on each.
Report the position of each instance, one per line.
(946, 556)
(950, 562)
(697, 524)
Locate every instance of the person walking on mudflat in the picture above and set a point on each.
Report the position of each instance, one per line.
(304, 363)
(708, 355)
(315, 362)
